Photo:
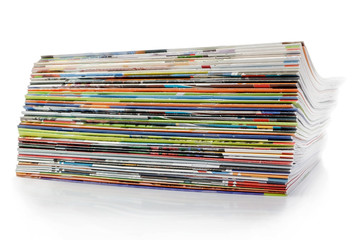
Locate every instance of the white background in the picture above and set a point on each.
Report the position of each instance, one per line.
(326, 205)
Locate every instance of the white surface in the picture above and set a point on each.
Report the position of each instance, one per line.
(326, 205)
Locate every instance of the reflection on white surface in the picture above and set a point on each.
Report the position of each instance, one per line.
(108, 199)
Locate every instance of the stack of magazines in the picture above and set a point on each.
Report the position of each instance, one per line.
(236, 119)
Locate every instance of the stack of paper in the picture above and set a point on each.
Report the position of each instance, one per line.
(243, 119)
